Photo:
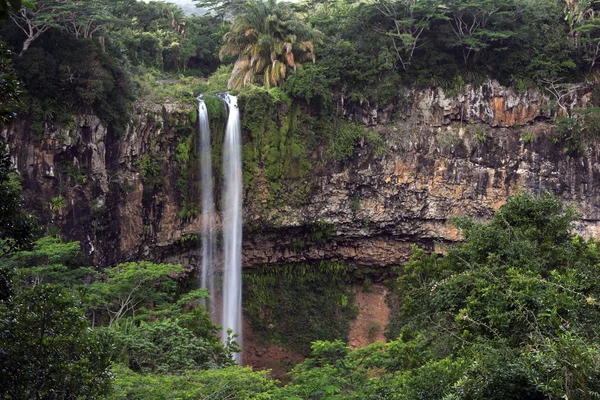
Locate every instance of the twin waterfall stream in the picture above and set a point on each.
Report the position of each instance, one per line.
(231, 301)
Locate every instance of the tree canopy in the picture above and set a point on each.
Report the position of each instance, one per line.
(269, 41)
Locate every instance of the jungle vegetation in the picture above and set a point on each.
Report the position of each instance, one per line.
(100, 55)
(509, 313)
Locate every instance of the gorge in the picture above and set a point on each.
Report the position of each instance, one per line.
(391, 199)
(440, 157)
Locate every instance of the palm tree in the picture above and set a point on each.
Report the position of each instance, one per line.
(269, 40)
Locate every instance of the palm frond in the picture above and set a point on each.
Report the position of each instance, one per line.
(268, 38)
(289, 58)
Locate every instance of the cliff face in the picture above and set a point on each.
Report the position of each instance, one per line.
(489, 103)
(109, 208)
(443, 157)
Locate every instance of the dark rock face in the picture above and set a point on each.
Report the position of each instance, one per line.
(409, 194)
(109, 208)
(443, 157)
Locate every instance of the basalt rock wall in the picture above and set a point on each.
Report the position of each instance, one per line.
(443, 156)
(110, 208)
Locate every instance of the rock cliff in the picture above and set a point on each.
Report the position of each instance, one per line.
(443, 156)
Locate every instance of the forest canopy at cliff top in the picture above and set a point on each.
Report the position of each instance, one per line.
(101, 54)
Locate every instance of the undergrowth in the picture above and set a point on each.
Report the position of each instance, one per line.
(297, 304)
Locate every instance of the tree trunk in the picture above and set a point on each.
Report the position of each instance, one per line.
(26, 45)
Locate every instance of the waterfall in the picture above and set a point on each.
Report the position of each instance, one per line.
(232, 224)
(232, 219)
(208, 205)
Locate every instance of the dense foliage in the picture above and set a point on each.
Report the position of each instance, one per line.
(363, 51)
(48, 350)
(510, 313)
(16, 227)
(16, 230)
(10, 87)
(450, 42)
(94, 55)
(516, 305)
(143, 323)
(370, 49)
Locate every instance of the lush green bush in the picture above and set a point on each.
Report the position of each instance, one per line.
(166, 347)
(310, 83)
(521, 288)
(228, 383)
(151, 168)
(346, 137)
(48, 349)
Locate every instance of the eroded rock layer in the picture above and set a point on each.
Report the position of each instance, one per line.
(442, 157)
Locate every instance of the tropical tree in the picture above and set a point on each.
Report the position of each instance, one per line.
(82, 18)
(478, 24)
(584, 28)
(577, 14)
(48, 350)
(269, 40)
(131, 285)
(88, 17)
(522, 291)
(35, 21)
(404, 22)
(221, 9)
